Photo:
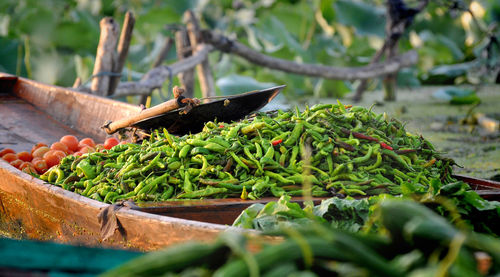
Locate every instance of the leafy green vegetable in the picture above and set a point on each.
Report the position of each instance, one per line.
(269, 217)
(455, 201)
(345, 214)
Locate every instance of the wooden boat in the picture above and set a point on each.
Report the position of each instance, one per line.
(32, 112)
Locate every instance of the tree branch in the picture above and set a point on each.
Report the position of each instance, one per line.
(155, 77)
(341, 73)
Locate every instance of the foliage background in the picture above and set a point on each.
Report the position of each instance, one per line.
(55, 41)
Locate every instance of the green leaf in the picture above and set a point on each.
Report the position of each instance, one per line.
(452, 70)
(408, 77)
(8, 55)
(479, 203)
(457, 96)
(347, 214)
(365, 18)
(76, 35)
(245, 219)
(234, 84)
(273, 34)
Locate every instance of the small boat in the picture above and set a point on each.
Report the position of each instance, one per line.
(30, 208)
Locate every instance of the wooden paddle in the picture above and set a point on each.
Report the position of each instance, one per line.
(170, 105)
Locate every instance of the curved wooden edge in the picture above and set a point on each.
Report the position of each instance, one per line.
(478, 181)
(47, 212)
(487, 189)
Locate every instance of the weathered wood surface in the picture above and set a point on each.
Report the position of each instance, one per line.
(33, 209)
(30, 208)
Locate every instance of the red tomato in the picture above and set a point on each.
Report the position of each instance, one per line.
(29, 169)
(6, 151)
(122, 142)
(9, 157)
(60, 154)
(26, 164)
(53, 157)
(36, 146)
(25, 156)
(40, 166)
(59, 146)
(78, 153)
(110, 142)
(86, 149)
(86, 142)
(71, 142)
(38, 153)
(16, 163)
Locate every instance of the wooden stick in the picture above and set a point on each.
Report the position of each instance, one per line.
(204, 72)
(164, 107)
(123, 45)
(105, 56)
(329, 72)
(155, 77)
(183, 47)
(77, 83)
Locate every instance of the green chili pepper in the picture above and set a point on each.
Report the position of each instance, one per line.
(188, 186)
(238, 161)
(397, 158)
(84, 168)
(364, 158)
(210, 191)
(252, 127)
(174, 165)
(294, 136)
(233, 132)
(278, 177)
(184, 151)
(215, 147)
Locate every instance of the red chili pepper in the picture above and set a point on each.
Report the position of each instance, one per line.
(384, 145)
(221, 126)
(358, 135)
(276, 142)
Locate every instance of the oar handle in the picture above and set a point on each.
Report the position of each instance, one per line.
(162, 108)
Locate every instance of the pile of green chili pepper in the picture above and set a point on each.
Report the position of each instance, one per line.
(331, 148)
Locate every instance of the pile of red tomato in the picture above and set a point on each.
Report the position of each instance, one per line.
(42, 157)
